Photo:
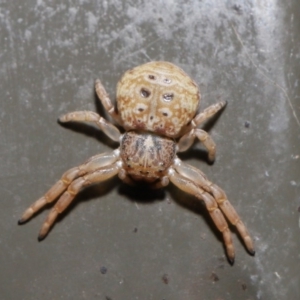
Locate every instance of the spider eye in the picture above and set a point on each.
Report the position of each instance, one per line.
(145, 93)
(168, 97)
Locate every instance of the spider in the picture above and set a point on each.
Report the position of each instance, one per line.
(157, 105)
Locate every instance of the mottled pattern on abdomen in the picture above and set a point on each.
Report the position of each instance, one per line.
(157, 97)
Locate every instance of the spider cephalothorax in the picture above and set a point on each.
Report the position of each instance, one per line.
(156, 105)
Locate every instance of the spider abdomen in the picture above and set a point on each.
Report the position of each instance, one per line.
(157, 97)
(146, 156)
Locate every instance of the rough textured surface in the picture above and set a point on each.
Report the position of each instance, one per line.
(116, 243)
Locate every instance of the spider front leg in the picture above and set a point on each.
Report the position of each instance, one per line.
(106, 102)
(89, 116)
(94, 163)
(186, 141)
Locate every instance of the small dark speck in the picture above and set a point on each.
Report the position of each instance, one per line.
(247, 124)
(299, 209)
(237, 8)
(165, 279)
(103, 270)
(107, 298)
(160, 19)
(244, 286)
(214, 277)
(135, 230)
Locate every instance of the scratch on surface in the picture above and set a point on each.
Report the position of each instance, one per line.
(142, 49)
(268, 78)
(277, 275)
(136, 205)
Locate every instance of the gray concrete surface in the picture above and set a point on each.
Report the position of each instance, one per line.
(114, 243)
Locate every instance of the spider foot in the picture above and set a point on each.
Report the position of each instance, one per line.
(26, 216)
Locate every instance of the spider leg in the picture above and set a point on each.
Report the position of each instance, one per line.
(187, 140)
(232, 216)
(125, 178)
(92, 164)
(106, 102)
(219, 195)
(207, 113)
(190, 187)
(74, 188)
(89, 116)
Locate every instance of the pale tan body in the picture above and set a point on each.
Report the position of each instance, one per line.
(156, 105)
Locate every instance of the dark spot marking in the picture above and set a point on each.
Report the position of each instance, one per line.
(165, 279)
(165, 114)
(237, 8)
(152, 77)
(103, 270)
(168, 97)
(140, 109)
(247, 124)
(145, 93)
(144, 172)
(151, 118)
(244, 286)
(214, 277)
